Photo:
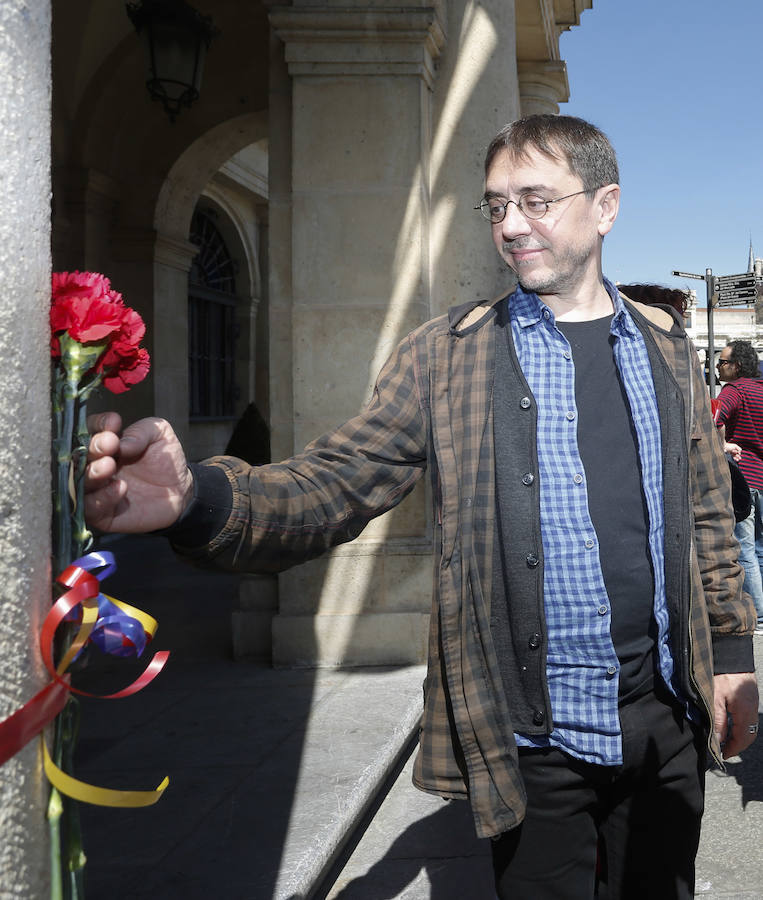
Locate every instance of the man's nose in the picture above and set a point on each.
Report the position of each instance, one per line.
(514, 223)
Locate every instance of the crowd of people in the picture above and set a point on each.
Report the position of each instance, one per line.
(739, 414)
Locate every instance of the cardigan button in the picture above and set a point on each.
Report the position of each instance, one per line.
(538, 717)
(525, 403)
(528, 478)
(532, 560)
(534, 641)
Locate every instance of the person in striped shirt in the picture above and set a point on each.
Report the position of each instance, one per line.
(740, 411)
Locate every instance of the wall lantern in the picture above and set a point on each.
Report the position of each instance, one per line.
(176, 38)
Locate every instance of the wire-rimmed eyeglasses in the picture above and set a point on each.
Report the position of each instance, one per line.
(723, 362)
(531, 206)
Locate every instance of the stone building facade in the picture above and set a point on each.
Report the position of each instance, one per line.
(309, 209)
(332, 160)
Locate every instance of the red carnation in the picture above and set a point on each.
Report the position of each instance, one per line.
(124, 344)
(91, 313)
(85, 319)
(84, 306)
(125, 363)
(87, 285)
(129, 372)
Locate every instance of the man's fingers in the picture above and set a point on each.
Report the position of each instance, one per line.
(736, 698)
(140, 435)
(104, 443)
(105, 421)
(100, 471)
(101, 505)
(721, 725)
(738, 741)
(133, 441)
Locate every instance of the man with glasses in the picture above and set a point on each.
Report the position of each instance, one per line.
(740, 412)
(589, 635)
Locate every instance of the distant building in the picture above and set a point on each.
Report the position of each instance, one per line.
(731, 323)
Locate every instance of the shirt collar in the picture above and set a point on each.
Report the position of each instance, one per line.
(528, 309)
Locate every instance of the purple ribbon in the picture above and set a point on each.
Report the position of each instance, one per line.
(114, 632)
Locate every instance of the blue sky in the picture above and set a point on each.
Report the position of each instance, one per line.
(676, 85)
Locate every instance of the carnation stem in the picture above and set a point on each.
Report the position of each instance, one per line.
(75, 857)
(67, 879)
(55, 811)
(82, 536)
(63, 450)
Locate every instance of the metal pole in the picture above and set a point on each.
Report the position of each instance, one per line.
(710, 332)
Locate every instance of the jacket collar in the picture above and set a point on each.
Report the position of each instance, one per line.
(529, 309)
(469, 317)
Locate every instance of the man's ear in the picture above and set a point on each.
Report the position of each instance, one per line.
(609, 204)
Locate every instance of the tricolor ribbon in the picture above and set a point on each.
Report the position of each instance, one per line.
(114, 627)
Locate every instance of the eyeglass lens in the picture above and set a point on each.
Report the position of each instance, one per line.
(495, 209)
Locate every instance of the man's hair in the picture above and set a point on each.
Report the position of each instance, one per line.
(745, 357)
(586, 150)
(656, 293)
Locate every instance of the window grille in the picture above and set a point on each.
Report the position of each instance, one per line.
(211, 323)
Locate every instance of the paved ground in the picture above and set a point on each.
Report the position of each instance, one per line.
(421, 848)
(231, 737)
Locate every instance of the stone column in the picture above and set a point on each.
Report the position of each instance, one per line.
(25, 507)
(85, 200)
(172, 263)
(475, 95)
(361, 81)
(543, 86)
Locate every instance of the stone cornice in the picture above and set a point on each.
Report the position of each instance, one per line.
(543, 83)
(359, 40)
(147, 244)
(539, 24)
(568, 12)
(175, 252)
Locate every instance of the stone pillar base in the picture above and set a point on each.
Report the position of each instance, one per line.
(331, 641)
(251, 624)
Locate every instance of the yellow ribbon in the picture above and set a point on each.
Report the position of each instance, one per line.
(88, 793)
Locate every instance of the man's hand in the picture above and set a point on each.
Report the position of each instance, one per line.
(734, 450)
(736, 698)
(138, 481)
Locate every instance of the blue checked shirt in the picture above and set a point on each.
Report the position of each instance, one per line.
(582, 667)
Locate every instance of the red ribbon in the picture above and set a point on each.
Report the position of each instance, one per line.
(21, 726)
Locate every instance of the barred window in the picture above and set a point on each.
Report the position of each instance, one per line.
(211, 323)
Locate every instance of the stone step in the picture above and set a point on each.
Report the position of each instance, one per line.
(355, 738)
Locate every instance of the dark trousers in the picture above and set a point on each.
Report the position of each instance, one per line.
(628, 831)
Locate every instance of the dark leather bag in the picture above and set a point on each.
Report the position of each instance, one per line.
(740, 492)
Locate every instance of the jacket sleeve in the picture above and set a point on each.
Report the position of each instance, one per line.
(288, 512)
(730, 611)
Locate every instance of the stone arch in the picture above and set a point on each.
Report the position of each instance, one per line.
(196, 166)
(189, 179)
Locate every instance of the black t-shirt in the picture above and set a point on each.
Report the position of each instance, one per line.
(608, 447)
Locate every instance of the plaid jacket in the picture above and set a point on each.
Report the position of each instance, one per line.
(432, 410)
